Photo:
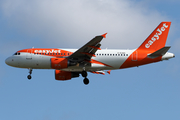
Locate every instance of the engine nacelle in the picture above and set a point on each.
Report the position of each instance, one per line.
(59, 63)
(64, 75)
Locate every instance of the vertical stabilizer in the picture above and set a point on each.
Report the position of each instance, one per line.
(157, 39)
(152, 49)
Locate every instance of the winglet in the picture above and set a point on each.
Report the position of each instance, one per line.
(157, 39)
(104, 35)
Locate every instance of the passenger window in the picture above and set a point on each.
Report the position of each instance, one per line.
(18, 53)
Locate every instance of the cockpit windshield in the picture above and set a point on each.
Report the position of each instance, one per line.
(16, 53)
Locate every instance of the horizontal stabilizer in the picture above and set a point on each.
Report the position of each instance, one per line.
(159, 52)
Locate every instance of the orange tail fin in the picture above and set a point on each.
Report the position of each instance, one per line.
(157, 39)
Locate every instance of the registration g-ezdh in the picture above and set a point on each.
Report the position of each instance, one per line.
(71, 63)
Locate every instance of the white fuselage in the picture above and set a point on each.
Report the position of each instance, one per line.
(111, 59)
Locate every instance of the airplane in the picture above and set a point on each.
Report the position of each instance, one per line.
(71, 63)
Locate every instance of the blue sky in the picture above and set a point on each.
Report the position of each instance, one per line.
(144, 93)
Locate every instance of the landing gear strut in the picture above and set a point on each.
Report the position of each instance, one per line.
(30, 72)
(86, 80)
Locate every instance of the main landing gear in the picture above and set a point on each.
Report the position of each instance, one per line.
(86, 80)
(30, 72)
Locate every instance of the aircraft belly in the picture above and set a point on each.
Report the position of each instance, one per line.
(113, 62)
(93, 67)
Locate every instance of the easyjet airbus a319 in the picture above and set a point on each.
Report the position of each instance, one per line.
(70, 63)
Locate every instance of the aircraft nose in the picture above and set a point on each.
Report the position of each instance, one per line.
(8, 61)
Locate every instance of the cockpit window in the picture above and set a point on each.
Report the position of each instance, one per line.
(16, 53)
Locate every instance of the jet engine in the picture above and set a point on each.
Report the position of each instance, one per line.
(64, 75)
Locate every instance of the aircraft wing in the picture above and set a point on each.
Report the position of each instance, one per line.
(88, 50)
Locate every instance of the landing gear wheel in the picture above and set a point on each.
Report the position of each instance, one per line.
(84, 74)
(29, 77)
(86, 81)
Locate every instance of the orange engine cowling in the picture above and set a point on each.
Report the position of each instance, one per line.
(59, 63)
(64, 75)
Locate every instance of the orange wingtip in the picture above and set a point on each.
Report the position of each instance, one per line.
(104, 35)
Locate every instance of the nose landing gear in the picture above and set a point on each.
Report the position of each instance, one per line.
(86, 80)
(30, 72)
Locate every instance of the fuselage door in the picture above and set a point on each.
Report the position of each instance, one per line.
(135, 56)
(29, 54)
